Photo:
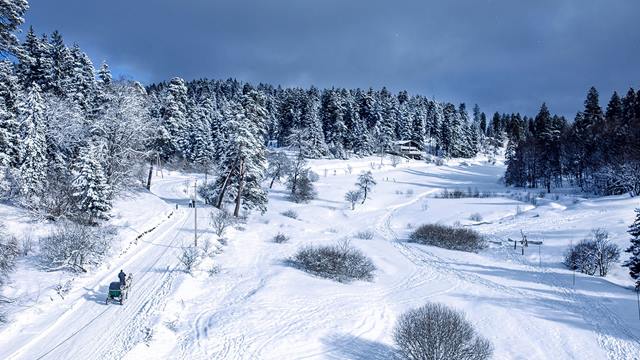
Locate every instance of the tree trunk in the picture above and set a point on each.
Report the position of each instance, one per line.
(224, 189)
(365, 195)
(150, 176)
(236, 212)
(276, 175)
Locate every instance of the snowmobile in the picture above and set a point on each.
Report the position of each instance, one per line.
(119, 292)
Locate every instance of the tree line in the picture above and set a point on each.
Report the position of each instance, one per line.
(598, 152)
(72, 137)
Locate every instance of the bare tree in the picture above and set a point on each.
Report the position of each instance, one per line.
(189, 258)
(606, 252)
(220, 220)
(279, 166)
(353, 196)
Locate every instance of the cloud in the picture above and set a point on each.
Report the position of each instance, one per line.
(502, 54)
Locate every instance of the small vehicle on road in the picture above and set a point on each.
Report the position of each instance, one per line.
(119, 292)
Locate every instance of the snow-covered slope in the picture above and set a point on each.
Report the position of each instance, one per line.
(257, 307)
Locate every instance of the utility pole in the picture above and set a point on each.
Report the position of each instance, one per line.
(638, 296)
(195, 212)
(573, 265)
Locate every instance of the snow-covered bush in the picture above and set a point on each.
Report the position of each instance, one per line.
(475, 217)
(189, 258)
(301, 186)
(220, 220)
(365, 235)
(448, 237)
(75, 247)
(435, 332)
(280, 238)
(290, 214)
(340, 262)
(594, 254)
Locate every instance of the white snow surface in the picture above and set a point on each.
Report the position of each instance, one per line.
(257, 307)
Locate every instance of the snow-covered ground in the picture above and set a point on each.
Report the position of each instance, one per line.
(257, 307)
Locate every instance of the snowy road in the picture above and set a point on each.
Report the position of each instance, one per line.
(87, 328)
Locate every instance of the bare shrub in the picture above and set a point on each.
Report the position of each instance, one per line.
(448, 237)
(435, 332)
(214, 270)
(74, 247)
(290, 214)
(365, 235)
(8, 253)
(62, 289)
(189, 258)
(475, 217)
(594, 254)
(220, 220)
(27, 245)
(340, 262)
(280, 238)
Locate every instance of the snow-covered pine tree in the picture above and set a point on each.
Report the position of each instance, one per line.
(33, 158)
(12, 14)
(404, 120)
(634, 261)
(174, 120)
(91, 190)
(311, 121)
(418, 123)
(103, 93)
(333, 122)
(365, 183)
(9, 85)
(35, 64)
(9, 137)
(242, 165)
(201, 151)
(81, 85)
(9, 128)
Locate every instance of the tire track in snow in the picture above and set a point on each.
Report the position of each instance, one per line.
(124, 331)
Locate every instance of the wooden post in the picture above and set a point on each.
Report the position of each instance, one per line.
(195, 213)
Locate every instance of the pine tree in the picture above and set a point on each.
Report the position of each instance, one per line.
(91, 191)
(311, 122)
(81, 84)
(333, 123)
(634, 261)
(9, 85)
(9, 138)
(365, 183)
(33, 157)
(12, 14)
(242, 165)
(172, 138)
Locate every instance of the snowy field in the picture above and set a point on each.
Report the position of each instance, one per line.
(257, 307)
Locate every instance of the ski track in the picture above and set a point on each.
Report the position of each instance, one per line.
(123, 326)
(589, 308)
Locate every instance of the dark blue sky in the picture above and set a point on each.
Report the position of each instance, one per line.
(505, 55)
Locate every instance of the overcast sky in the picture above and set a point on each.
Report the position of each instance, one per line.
(505, 55)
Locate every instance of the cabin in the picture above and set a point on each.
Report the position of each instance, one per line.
(409, 149)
